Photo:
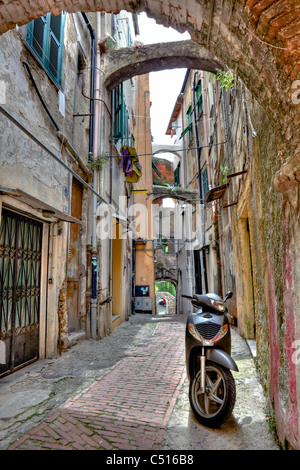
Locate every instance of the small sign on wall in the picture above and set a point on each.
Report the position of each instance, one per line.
(142, 291)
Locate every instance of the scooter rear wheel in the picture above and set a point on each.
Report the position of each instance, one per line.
(215, 405)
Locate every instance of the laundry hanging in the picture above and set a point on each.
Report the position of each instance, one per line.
(130, 164)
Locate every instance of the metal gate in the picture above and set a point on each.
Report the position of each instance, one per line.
(20, 278)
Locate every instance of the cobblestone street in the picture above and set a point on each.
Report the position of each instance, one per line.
(126, 392)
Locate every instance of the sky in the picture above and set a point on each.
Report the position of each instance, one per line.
(165, 85)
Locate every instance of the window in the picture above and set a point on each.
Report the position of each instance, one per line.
(121, 116)
(205, 186)
(177, 176)
(129, 38)
(189, 127)
(199, 98)
(45, 38)
(190, 122)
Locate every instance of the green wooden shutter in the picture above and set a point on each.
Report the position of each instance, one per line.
(121, 115)
(56, 30)
(45, 37)
(205, 187)
(199, 98)
(190, 121)
(118, 111)
(125, 122)
(36, 36)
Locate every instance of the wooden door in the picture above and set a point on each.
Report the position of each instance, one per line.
(73, 284)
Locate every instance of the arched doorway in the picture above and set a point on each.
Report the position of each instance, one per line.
(165, 297)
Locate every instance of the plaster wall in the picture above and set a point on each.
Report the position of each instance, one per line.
(27, 167)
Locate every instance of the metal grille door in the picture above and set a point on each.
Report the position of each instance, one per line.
(20, 273)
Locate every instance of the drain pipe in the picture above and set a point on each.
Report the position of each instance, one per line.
(199, 172)
(205, 116)
(94, 144)
(92, 34)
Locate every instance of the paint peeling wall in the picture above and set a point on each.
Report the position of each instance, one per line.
(26, 167)
(258, 238)
(275, 263)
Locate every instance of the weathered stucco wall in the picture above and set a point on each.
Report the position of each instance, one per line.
(274, 255)
(29, 168)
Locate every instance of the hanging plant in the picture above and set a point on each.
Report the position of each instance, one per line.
(226, 79)
(98, 162)
(224, 172)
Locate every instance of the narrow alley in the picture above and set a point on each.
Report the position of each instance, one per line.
(127, 392)
(149, 166)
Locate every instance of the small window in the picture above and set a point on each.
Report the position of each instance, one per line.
(121, 116)
(177, 176)
(189, 127)
(199, 98)
(45, 38)
(129, 38)
(205, 186)
(190, 122)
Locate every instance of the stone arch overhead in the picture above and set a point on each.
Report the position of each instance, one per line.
(258, 39)
(185, 195)
(163, 274)
(121, 64)
(158, 149)
(161, 148)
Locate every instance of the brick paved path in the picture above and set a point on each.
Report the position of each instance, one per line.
(127, 407)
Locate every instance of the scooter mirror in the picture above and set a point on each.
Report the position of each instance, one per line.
(228, 296)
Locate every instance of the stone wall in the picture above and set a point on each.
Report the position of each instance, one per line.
(260, 39)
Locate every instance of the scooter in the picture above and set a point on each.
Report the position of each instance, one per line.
(212, 391)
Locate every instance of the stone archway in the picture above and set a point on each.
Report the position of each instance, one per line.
(170, 306)
(259, 40)
(127, 62)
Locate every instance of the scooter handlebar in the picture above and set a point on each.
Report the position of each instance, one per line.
(187, 296)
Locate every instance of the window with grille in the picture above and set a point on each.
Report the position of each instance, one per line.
(45, 38)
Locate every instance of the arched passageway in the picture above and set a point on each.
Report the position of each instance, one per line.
(125, 63)
(165, 297)
(259, 40)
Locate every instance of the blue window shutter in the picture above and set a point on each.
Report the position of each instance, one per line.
(36, 34)
(45, 36)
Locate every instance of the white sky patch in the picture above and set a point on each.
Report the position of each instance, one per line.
(165, 85)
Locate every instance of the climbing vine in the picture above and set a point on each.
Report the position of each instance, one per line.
(98, 162)
(226, 79)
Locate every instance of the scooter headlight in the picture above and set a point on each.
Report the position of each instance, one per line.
(221, 333)
(207, 342)
(219, 305)
(194, 332)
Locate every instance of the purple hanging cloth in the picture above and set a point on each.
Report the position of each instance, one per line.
(126, 162)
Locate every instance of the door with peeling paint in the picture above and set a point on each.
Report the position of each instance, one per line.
(73, 281)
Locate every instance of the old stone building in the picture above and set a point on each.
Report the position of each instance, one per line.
(229, 155)
(59, 163)
(259, 41)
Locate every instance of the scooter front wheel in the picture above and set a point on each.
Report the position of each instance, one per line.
(213, 406)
